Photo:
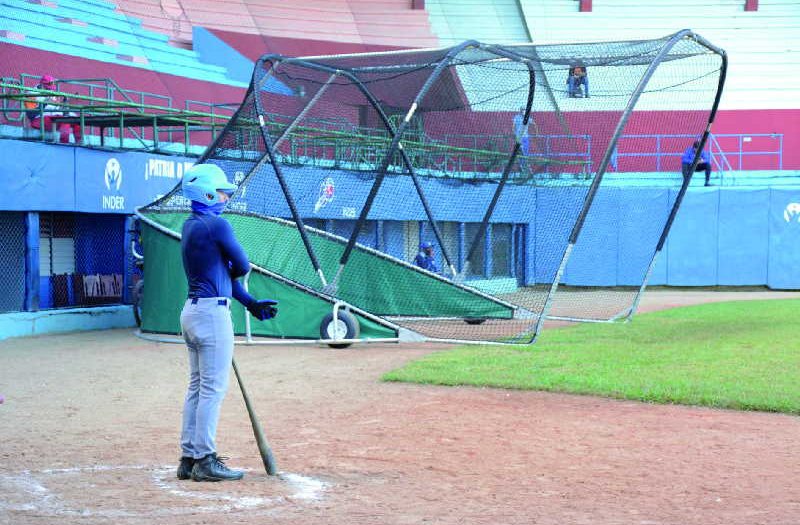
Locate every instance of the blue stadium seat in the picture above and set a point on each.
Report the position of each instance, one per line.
(99, 33)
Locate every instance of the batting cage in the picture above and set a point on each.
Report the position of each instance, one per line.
(454, 194)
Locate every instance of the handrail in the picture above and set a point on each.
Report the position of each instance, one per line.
(32, 91)
(339, 143)
(660, 151)
(110, 82)
(718, 158)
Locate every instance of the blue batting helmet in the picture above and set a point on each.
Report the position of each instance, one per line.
(425, 245)
(202, 181)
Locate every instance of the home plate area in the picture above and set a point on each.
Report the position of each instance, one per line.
(105, 492)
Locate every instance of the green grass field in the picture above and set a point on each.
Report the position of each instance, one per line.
(741, 355)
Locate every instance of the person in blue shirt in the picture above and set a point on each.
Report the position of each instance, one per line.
(425, 258)
(213, 261)
(577, 76)
(522, 136)
(703, 165)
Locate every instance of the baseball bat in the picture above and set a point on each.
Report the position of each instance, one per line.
(261, 440)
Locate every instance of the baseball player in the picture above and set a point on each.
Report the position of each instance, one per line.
(425, 258)
(213, 261)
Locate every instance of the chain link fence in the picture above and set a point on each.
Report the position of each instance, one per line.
(12, 262)
(81, 259)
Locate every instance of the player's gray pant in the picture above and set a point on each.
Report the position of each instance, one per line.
(208, 332)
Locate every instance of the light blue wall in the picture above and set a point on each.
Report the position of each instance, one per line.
(721, 236)
(20, 324)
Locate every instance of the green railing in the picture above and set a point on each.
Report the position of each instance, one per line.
(147, 121)
(146, 109)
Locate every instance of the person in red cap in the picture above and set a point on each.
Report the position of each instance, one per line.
(49, 106)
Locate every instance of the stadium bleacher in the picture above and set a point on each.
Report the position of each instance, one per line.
(763, 62)
(385, 22)
(497, 21)
(94, 30)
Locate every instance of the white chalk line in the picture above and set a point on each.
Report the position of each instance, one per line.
(43, 500)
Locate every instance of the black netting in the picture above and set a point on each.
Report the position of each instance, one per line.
(12, 278)
(499, 166)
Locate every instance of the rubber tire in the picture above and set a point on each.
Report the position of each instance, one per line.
(474, 320)
(136, 300)
(350, 322)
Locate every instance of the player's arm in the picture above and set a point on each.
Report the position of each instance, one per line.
(231, 250)
(238, 265)
(261, 309)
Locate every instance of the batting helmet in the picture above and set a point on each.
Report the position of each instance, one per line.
(425, 245)
(202, 181)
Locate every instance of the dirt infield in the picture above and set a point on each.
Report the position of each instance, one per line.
(89, 429)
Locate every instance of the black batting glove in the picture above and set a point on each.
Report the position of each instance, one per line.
(264, 309)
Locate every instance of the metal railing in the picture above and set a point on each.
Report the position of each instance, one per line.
(338, 143)
(664, 152)
(88, 109)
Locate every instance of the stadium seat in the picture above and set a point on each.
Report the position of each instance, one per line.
(97, 32)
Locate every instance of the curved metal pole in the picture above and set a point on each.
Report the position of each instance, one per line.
(587, 203)
(407, 163)
(392, 132)
(686, 180)
(509, 52)
(394, 146)
(231, 123)
(266, 158)
(270, 151)
(514, 152)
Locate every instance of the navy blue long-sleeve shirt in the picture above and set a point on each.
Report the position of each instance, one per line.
(426, 262)
(213, 259)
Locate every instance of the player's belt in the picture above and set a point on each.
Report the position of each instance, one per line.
(220, 302)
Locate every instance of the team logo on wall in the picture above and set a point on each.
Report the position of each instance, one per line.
(792, 212)
(327, 191)
(113, 174)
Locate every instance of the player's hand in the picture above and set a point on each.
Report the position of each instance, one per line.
(264, 309)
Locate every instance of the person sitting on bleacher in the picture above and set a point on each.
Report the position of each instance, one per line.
(578, 76)
(50, 106)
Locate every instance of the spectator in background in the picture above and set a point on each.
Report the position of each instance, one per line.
(425, 259)
(703, 165)
(521, 135)
(521, 130)
(614, 160)
(577, 77)
(50, 106)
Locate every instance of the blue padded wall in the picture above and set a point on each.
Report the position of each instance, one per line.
(743, 237)
(594, 260)
(692, 242)
(784, 239)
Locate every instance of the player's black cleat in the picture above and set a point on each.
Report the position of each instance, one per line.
(212, 468)
(185, 468)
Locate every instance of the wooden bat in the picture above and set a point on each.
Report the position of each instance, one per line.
(261, 440)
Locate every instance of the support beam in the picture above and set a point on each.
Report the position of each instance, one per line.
(32, 261)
